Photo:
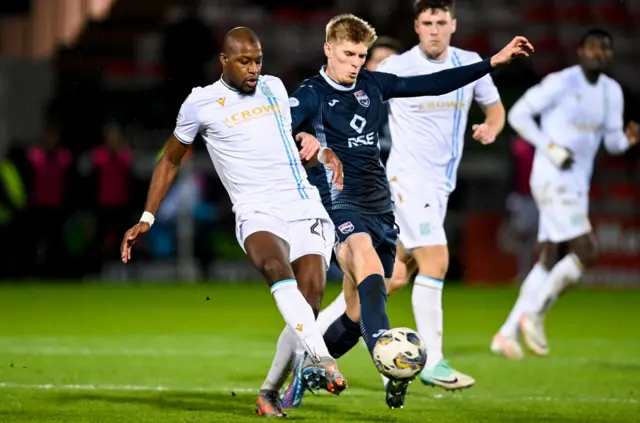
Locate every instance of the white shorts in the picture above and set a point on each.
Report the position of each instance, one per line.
(419, 213)
(563, 213)
(313, 235)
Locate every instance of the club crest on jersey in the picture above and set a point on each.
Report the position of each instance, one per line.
(362, 98)
(346, 227)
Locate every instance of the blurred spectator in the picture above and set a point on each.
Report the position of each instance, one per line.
(49, 173)
(109, 171)
(523, 222)
(13, 198)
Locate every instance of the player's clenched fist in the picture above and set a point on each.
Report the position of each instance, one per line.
(483, 133)
(632, 131)
(309, 146)
(130, 238)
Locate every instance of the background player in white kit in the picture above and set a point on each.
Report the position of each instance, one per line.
(578, 107)
(427, 141)
(281, 223)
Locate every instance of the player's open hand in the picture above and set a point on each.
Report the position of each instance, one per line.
(632, 131)
(483, 133)
(130, 238)
(309, 146)
(519, 46)
(331, 161)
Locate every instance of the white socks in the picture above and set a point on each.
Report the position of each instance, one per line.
(566, 272)
(299, 316)
(529, 293)
(427, 309)
(283, 360)
(289, 348)
(331, 312)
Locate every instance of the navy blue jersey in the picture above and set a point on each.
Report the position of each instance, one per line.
(347, 119)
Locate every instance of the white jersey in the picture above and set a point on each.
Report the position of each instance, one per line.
(574, 114)
(250, 143)
(427, 133)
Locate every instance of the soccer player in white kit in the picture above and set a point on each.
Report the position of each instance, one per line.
(578, 108)
(427, 136)
(281, 223)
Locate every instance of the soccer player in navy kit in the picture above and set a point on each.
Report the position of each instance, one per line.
(341, 107)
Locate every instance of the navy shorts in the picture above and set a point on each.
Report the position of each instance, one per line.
(382, 229)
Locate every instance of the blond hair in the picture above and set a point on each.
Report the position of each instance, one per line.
(350, 28)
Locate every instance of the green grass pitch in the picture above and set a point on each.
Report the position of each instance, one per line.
(117, 354)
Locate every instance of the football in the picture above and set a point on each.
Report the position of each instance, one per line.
(400, 353)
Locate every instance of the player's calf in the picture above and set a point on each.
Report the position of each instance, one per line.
(358, 258)
(404, 267)
(269, 254)
(311, 276)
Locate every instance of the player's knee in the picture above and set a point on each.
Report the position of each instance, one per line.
(366, 262)
(432, 261)
(586, 250)
(549, 255)
(274, 269)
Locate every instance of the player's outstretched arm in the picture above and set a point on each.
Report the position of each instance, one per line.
(162, 179)
(445, 81)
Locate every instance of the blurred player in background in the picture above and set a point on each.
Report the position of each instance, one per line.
(427, 143)
(282, 225)
(578, 107)
(379, 51)
(342, 107)
(523, 213)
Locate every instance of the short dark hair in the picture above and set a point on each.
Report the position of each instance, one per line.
(386, 42)
(595, 33)
(420, 6)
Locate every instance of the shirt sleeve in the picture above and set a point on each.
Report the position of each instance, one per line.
(615, 140)
(536, 100)
(303, 104)
(187, 123)
(434, 84)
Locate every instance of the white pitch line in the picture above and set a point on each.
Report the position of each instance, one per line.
(88, 351)
(350, 392)
(152, 352)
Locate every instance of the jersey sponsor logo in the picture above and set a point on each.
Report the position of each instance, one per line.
(358, 123)
(586, 127)
(346, 228)
(180, 117)
(333, 102)
(249, 115)
(366, 139)
(293, 102)
(439, 106)
(221, 101)
(362, 98)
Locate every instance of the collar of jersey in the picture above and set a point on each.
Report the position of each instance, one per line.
(333, 83)
(438, 62)
(227, 85)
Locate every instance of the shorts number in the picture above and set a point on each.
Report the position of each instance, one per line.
(317, 228)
